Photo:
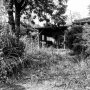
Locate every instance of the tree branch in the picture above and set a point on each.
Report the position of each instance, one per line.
(24, 4)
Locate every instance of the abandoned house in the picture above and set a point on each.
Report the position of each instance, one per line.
(54, 37)
(83, 21)
(47, 36)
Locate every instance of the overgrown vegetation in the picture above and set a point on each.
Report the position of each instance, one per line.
(43, 64)
(21, 59)
(74, 39)
(11, 54)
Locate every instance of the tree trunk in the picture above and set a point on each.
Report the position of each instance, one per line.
(9, 8)
(17, 23)
(18, 7)
(11, 22)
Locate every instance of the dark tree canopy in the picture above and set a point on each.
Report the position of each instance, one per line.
(44, 7)
(55, 9)
(74, 39)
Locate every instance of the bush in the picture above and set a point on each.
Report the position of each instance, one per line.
(11, 56)
(74, 39)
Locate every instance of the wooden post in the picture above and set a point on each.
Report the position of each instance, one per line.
(45, 38)
(64, 41)
(38, 40)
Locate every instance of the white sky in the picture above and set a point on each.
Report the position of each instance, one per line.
(78, 6)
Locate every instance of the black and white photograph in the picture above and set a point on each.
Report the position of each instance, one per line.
(44, 44)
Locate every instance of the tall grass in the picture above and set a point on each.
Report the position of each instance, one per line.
(10, 55)
(48, 63)
(44, 63)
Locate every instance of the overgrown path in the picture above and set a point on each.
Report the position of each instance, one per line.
(48, 72)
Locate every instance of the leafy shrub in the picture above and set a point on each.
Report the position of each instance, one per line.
(75, 40)
(11, 55)
(74, 36)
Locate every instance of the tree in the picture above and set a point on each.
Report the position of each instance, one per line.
(74, 39)
(18, 6)
(86, 38)
(40, 7)
(48, 8)
(12, 51)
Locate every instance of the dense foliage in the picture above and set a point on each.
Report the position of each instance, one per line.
(55, 9)
(11, 54)
(11, 48)
(86, 39)
(74, 39)
(41, 8)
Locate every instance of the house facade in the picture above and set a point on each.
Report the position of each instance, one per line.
(52, 36)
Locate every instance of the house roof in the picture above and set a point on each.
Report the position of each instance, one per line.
(82, 20)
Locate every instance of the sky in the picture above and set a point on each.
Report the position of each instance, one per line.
(79, 6)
